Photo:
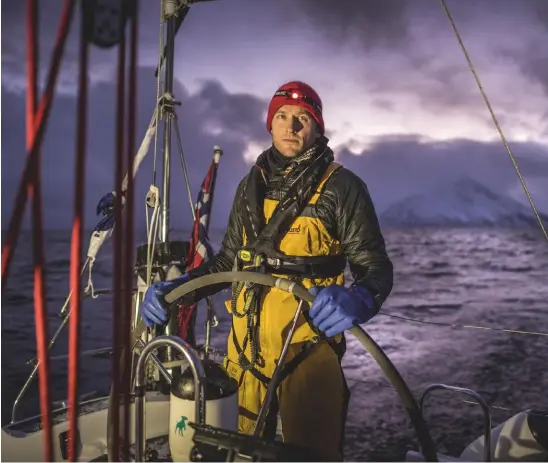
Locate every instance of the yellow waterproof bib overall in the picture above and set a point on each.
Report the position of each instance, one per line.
(313, 398)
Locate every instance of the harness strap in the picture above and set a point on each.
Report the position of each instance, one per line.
(270, 426)
(321, 267)
(303, 266)
(287, 369)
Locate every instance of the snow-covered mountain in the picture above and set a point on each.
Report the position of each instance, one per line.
(463, 203)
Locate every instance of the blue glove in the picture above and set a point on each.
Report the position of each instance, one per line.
(155, 309)
(337, 309)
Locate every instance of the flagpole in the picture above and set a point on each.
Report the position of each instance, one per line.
(211, 317)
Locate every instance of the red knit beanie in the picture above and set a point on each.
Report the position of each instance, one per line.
(298, 94)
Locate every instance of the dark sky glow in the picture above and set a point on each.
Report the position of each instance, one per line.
(400, 104)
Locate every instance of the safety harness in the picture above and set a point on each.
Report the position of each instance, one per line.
(261, 254)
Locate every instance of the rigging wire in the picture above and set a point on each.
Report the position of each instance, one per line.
(493, 116)
(455, 325)
(159, 87)
(185, 170)
(152, 229)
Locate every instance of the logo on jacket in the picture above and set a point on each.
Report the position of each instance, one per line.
(295, 230)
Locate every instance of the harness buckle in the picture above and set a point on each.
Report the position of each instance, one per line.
(245, 255)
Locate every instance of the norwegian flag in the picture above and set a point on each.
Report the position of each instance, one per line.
(200, 250)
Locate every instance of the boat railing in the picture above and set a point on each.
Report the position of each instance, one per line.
(198, 373)
(478, 398)
(104, 351)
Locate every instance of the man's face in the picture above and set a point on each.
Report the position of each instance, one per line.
(293, 130)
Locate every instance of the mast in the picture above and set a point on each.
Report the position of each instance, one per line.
(175, 12)
(170, 9)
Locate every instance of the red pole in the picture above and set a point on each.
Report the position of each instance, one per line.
(34, 191)
(76, 246)
(33, 146)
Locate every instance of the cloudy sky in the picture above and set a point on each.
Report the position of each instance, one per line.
(401, 106)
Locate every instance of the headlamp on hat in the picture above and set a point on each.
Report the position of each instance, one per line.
(296, 95)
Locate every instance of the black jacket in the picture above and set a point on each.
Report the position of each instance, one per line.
(346, 210)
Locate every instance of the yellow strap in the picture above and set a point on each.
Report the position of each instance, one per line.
(330, 169)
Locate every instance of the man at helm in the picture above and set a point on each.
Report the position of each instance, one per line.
(300, 215)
